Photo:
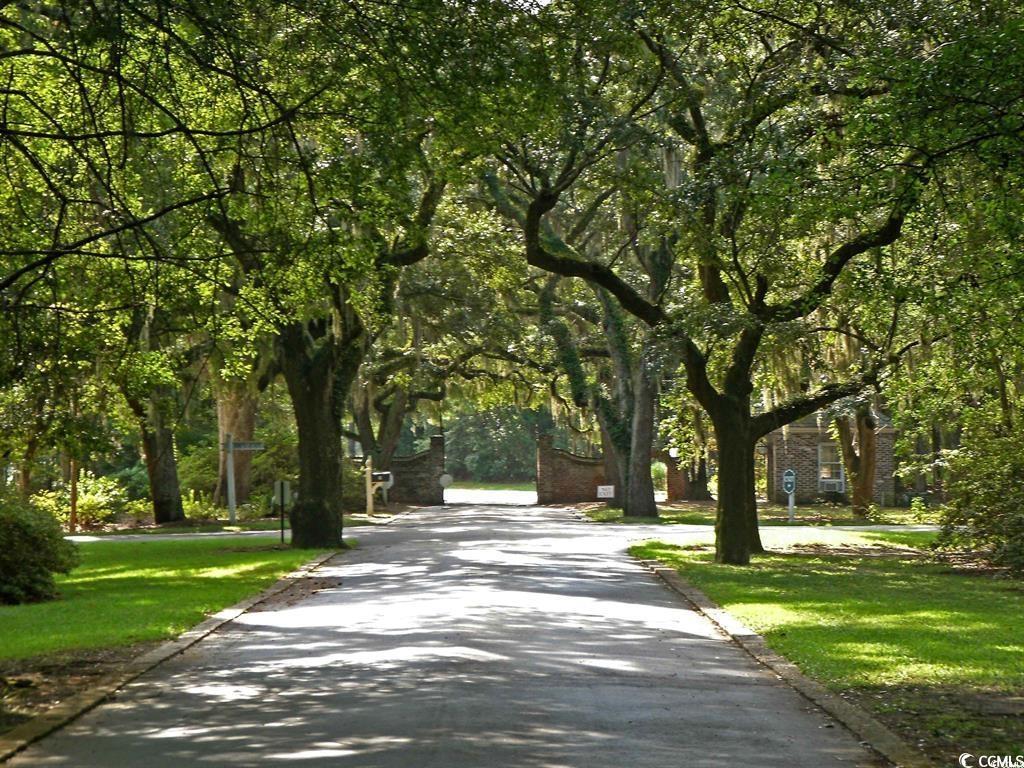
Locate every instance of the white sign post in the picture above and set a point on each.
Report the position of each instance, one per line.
(230, 446)
(789, 486)
(606, 491)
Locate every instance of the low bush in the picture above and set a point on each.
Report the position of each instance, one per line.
(32, 549)
(197, 469)
(986, 488)
(100, 500)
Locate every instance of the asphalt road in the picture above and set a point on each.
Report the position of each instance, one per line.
(457, 638)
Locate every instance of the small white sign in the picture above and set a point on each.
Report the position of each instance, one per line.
(282, 492)
(445, 480)
(606, 491)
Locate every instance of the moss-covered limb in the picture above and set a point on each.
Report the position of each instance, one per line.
(565, 345)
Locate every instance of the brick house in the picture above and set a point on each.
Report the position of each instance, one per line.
(807, 446)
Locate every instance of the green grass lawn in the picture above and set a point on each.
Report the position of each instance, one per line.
(937, 653)
(125, 593)
(703, 513)
(474, 485)
(224, 526)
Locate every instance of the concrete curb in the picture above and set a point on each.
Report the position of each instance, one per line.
(398, 515)
(855, 719)
(59, 715)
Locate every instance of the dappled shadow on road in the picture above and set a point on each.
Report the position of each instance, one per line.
(463, 638)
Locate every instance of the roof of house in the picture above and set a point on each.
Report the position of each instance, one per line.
(819, 421)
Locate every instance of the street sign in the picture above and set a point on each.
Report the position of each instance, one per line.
(240, 446)
(230, 447)
(606, 491)
(789, 486)
(282, 492)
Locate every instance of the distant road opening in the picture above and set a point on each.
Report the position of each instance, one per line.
(487, 496)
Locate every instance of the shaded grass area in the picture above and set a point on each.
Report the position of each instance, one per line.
(125, 593)
(239, 526)
(475, 485)
(934, 652)
(703, 513)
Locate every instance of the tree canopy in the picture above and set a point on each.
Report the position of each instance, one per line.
(676, 224)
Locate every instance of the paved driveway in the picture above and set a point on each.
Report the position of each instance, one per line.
(463, 637)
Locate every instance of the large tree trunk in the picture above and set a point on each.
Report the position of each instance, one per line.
(639, 501)
(237, 404)
(318, 382)
(25, 468)
(614, 467)
(858, 444)
(736, 525)
(161, 464)
(390, 431)
(699, 490)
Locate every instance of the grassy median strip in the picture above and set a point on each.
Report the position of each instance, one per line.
(131, 592)
(474, 485)
(935, 651)
(703, 513)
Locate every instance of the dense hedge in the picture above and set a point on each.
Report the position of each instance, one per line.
(32, 549)
(986, 487)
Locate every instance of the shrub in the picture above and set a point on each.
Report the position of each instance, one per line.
(32, 549)
(100, 500)
(353, 487)
(659, 475)
(199, 507)
(135, 480)
(198, 468)
(986, 488)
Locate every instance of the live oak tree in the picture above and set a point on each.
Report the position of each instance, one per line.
(783, 176)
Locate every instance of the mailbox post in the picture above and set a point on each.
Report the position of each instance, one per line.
(789, 486)
(375, 480)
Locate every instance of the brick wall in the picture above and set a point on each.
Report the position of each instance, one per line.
(885, 466)
(798, 450)
(416, 476)
(676, 482)
(565, 478)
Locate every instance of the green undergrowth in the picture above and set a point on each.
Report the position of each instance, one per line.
(224, 526)
(703, 513)
(475, 485)
(935, 650)
(124, 593)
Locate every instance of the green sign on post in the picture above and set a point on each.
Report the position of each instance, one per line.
(789, 486)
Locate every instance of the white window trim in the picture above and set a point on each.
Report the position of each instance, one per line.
(837, 485)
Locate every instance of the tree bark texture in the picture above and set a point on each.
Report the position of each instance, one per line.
(736, 525)
(318, 379)
(859, 446)
(699, 490)
(639, 501)
(614, 468)
(237, 404)
(161, 463)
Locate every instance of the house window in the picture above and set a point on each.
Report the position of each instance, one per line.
(830, 469)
